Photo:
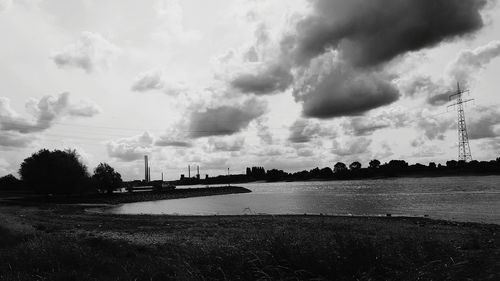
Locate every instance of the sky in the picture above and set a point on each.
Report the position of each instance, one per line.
(286, 84)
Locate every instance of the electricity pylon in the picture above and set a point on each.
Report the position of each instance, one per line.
(464, 153)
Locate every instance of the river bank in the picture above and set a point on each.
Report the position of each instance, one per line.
(121, 198)
(65, 242)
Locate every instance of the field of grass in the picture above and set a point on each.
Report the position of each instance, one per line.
(66, 243)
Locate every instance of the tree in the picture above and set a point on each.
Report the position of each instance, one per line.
(339, 167)
(374, 164)
(55, 172)
(106, 179)
(9, 182)
(355, 166)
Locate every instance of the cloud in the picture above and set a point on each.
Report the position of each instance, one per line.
(469, 62)
(351, 146)
(45, 112)
(5, 4)
(171, 28)
(263, 132)
(362, 37)
(335, 89)
(90, 52)
(15, 140)
(226, 144)
(394, 117)
(485, 123)
(303, 131)
(359, 126)
(374, 32)
(156, 80)
(169, 141)
(463, 69)
(269, 78)
(130, 149)
(225, 120)
(433, 126)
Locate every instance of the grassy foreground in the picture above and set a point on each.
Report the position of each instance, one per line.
(66, 243)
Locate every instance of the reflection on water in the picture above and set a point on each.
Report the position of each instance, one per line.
(454, 198)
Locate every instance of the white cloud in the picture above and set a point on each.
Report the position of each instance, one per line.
(45, 111)
(225, 144)
(90, 52)
(131, 149)
(469, 62)
(172, 29)
(351, 146)
(157, 80)
(5, 4)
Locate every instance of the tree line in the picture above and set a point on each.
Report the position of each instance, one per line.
(375, 169)
(61, 172)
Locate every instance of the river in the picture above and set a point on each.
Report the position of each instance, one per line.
(475, 199)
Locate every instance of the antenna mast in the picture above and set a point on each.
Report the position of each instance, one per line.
(464, 153)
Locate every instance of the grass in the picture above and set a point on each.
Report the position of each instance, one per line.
(255, 248)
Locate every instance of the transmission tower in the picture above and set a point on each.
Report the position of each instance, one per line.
(463, 139)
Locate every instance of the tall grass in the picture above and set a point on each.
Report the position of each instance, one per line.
(279, 253)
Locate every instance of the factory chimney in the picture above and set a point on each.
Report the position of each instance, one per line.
(146, 169)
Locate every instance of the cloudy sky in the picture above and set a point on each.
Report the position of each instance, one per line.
(288, 84)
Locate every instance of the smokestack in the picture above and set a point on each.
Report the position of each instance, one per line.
(149, 173)
(162, 176)
(146, 169)
(189, 171)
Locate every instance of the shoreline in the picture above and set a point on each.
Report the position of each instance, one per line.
(122, 198)
(217, 247)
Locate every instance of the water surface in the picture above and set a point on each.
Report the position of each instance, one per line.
(474, 199)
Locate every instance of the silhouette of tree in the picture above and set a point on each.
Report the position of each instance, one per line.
(374, 164)
(9, 182)
(451, 164)
(339, 167)
(432, 165)
(106, 179)
(55, 172)
(355, 166)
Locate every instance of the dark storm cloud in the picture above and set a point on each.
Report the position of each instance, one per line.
(362, 36)
(342, 91)
(272, 79)
(225, 120)
(371, 32)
